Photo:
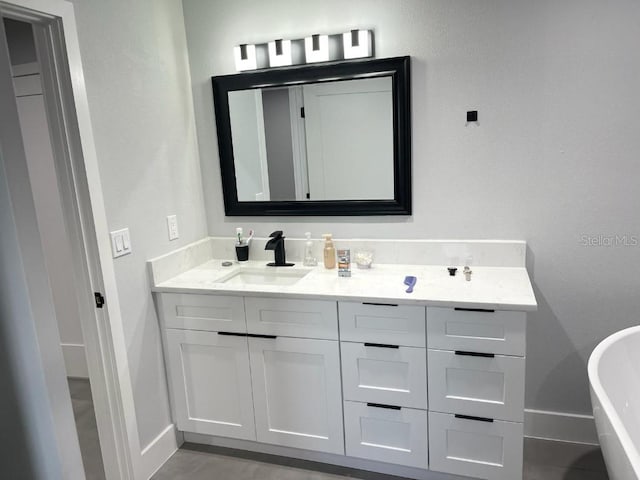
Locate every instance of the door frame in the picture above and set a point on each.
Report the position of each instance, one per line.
(262, 148)
(299, 142)
(66, 100)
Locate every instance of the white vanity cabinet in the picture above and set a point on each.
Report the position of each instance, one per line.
(384, 382)
(271, 375)
(476, 384)
(431, 388)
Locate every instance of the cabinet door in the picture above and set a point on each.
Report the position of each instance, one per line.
(296, 388)
(211, 383)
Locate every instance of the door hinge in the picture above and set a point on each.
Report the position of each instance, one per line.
(99, 298)
(308, 196)
(301, 112)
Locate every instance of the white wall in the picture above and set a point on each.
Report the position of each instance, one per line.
(138, 85)
(555, 155)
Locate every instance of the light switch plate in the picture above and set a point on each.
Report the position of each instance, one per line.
(120, 242)
(172, 226)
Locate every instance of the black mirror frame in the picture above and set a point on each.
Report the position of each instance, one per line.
(398, 68)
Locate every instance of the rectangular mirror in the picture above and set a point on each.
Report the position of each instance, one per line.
(328, 139)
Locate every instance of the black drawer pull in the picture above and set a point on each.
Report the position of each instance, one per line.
(485, 310)
(381, 345)
(477, 419)
(233, 334)
(381, 405)
(255, 335)
(381, 304)
(474, 354)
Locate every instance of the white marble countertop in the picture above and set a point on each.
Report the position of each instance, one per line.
(499, 288)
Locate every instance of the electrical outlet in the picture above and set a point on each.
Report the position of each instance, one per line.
(120, 242)
(172, 226)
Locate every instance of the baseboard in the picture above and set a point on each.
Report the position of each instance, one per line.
(154, 455)
(75, 360)
(565, 427)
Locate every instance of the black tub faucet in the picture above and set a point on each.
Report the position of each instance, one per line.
(276, 243)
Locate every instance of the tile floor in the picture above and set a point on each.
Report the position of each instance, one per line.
(544, 460)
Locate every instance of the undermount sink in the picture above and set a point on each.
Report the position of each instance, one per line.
(265, 276)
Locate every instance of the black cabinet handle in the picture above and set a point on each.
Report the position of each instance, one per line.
(485, 310)
(381, 304)
(475, 354)
(477, 419)
(233, 334)
(380, 345)
(252, 335)
(381, 405)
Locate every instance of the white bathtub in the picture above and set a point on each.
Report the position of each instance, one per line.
(614, 377)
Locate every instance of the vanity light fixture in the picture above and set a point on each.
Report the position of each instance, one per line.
(357, 44)
(312, 49)
(250, 57)
(322, 48)
(283, 53)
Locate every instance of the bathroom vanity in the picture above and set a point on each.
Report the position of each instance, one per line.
(352, 371)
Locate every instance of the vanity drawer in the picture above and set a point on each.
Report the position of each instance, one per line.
(502, 332)
(292, 318)
(388, 374)
(387, 435)
(217, 313)
(479, 449)
(382, 323)
(490, 387)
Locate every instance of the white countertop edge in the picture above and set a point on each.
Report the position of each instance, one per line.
(520, 307)
(505, 288)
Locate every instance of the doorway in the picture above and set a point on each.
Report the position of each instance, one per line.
(34, 125)
(56, 214)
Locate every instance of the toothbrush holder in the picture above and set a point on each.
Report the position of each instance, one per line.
(242, 252)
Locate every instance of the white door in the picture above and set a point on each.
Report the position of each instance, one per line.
(249, 145)
(349, 127)
(297, 397)
(211, 383)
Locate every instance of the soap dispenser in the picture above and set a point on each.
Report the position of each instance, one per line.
(329, 251)
(309, 259)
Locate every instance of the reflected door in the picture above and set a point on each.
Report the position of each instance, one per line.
(349, 128)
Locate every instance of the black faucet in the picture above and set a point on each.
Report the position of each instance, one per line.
(276, 243)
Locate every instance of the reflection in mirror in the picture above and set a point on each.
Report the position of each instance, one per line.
(316, 141)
